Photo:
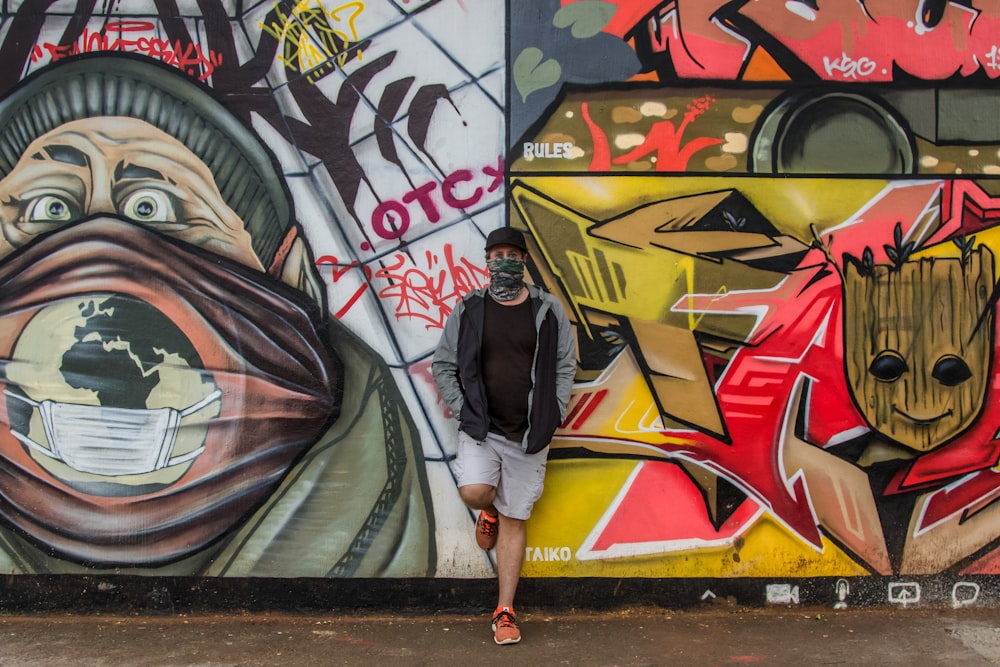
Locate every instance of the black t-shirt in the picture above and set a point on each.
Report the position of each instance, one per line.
(509, 340)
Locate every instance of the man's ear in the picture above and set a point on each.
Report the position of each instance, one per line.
(300, 272)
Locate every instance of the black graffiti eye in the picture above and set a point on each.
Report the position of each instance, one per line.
(951, 371)
(931, 12)
(888, 367)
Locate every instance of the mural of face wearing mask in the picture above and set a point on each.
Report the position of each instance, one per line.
(174, 395)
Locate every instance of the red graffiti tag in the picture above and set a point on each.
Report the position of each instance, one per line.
(428, 292)
(187, 58)
(430, 295)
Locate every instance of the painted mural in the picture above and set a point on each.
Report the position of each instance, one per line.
(183, 392)
(774, 226)
(232, 235)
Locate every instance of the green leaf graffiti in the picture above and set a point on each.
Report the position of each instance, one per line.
(531, 74)
(587, 17)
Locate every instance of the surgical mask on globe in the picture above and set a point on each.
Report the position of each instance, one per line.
(111, 441)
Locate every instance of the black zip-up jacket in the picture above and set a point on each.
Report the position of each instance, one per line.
(457, 368)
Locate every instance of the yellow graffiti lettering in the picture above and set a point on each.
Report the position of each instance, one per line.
(310, 40)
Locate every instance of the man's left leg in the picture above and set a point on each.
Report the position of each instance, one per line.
(521, 479)
(510, 554)
(510, 557)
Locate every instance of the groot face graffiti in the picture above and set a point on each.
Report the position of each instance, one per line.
(918, 341)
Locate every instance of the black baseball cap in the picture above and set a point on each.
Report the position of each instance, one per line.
(506, 236)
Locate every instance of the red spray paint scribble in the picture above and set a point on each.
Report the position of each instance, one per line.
(188, 58)
(427, 293)
(337, 272)
(422, 371)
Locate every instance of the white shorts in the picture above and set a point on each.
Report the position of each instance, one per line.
(502, 464)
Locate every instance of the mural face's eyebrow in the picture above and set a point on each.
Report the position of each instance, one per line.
(66, 154)
(128, 170)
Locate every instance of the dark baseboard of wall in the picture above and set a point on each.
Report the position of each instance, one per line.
(127, 594)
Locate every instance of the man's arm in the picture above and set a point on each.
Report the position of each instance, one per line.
(565, 360)
(444, 367)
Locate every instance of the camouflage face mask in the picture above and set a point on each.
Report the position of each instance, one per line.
(506, 277)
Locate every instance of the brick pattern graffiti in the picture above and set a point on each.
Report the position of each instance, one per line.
(209, 119)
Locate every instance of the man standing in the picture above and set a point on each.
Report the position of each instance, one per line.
(505, 367)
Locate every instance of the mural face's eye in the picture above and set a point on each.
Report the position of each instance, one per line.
(951, 371)
(149, 206)
(888, 367)
(49, 208)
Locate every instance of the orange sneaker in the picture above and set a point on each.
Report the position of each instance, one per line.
(487, 528)
(505, 627)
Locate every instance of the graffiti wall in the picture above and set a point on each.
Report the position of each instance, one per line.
(232, 233)
(773, 224)
(231, 236)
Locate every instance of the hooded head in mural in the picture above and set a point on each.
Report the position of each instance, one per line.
(162, 339)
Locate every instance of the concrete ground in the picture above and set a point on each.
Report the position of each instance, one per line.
(643, 636)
